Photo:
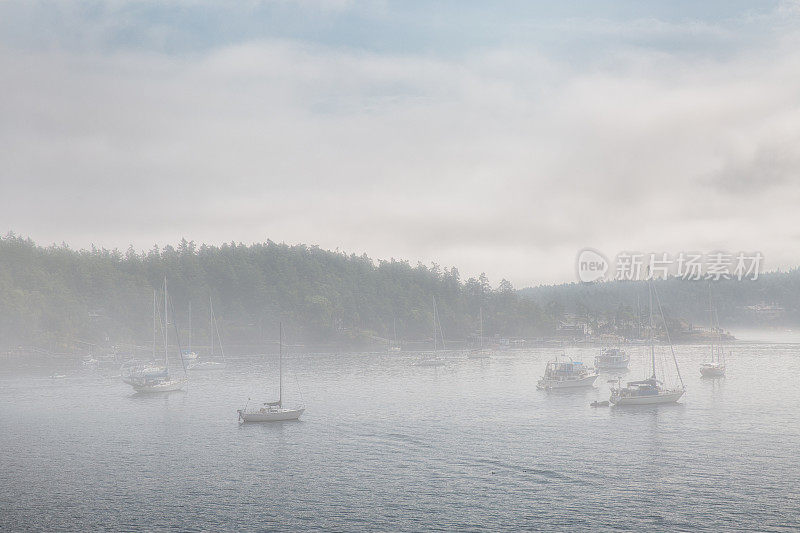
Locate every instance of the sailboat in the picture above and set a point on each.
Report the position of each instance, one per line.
(211, 364)
(155, 378)
(651, 390)
(189, 354)
(395, 346)
(480, 353)
(715, 367)
(431, 358)
(272, 411)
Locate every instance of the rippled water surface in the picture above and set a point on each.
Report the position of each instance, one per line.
(388, 445)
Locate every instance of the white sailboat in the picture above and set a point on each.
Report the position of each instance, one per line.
(432, 358)
(211, 363)
(715, 367)
(480, 353)
(153, 378)
(272, 411)
(189, 354)
(395, 346)
(651, 390)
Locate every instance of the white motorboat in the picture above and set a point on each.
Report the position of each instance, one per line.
(272, 411)
(612, 359)
(566, 375)
(650, 391)
(211, 363)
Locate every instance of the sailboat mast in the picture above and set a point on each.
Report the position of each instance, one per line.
(434, 323)
(480, 312)
(652, 331)
(211, 329)
(280, 364)
(711, 321)
(166, 327)
(189, 348)
(155, 329)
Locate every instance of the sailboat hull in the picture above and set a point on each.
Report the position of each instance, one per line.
(270, 415)
(665, 397)
(712, 370)
(167, 385)
(207, 365)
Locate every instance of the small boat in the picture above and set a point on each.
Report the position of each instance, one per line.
(481, 352)
(649, 391)
(715, 367)
(612, 359)
(432, 358)
(394, 347)
(599, 404)
(429, 359)
(272, 411)
(90, 362)
(566, 375)
(211, 364)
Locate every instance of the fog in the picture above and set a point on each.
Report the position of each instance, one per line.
(502, 152)
(294, 265)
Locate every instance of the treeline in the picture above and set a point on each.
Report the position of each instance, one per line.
(771, 300)
(57, 297)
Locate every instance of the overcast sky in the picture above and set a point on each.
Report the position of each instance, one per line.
(499, 137)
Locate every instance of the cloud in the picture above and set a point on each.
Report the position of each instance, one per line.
(507, 160)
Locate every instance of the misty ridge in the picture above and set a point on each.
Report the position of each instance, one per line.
(60, 299)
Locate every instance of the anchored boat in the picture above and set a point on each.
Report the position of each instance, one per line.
(566, 375)
(211, 363)
(651, 390)
(272, 411)
(612, 359)
(715, 367)
(154, 378)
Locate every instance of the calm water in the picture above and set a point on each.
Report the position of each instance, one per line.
(390, 446)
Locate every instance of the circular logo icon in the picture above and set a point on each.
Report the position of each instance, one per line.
(591, 265)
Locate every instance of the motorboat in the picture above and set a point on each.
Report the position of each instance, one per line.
(566, 375)
(612, 359)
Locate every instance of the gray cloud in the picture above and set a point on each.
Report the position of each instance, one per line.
(507, 162)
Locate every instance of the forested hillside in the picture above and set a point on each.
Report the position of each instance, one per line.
(773, 299)
(55, 296)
